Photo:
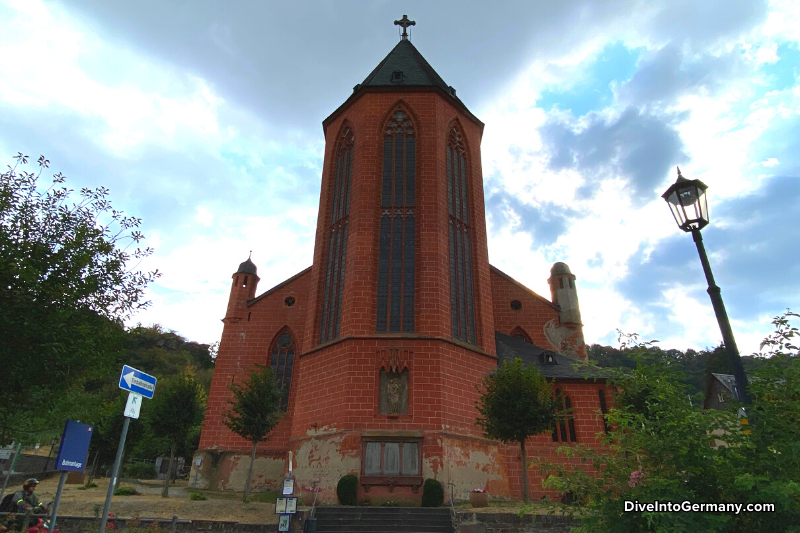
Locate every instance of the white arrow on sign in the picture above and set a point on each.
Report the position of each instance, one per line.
(134, 405)
(131, 380)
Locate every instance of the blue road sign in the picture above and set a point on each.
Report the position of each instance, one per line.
(137, 381)
(74, 447)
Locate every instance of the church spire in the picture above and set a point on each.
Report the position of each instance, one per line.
(405, 23)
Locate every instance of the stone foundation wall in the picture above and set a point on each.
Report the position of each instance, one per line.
(470, 522)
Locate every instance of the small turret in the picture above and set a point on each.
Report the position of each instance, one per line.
(565, 295)
(243, 288)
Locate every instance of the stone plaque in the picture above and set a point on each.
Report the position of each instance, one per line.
(393, 398)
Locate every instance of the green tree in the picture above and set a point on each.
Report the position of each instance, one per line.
(516, 403)
(177, 407)
(662, 448)
(255, 411)
(66, 288)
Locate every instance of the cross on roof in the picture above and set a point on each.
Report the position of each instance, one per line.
(405, 23)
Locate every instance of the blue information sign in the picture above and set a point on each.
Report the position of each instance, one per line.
(74, 446)
(137, 381)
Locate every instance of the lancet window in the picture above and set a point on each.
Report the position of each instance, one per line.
(395, 299)
(462, 305)
(281, 362)
(564, 430)
(336, 252)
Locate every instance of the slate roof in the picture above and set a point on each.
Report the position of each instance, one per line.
(247, 267)
(416, 72)
(405, 58)
(510, 348)
(729, 382)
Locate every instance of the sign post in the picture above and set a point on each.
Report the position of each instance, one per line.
(71, 458)
(140, 385)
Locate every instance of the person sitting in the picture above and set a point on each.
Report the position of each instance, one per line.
(26, 499)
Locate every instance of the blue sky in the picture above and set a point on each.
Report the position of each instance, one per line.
(204, 119)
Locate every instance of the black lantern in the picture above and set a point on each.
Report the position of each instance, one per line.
(687, 200)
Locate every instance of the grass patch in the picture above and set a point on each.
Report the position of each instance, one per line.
(264, 497)
(197, 497)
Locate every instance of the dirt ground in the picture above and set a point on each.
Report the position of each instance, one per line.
(150, 504)
(218, 506)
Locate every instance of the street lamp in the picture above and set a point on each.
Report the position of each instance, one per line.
(687, 200)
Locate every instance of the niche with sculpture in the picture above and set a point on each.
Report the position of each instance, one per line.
(393, 398)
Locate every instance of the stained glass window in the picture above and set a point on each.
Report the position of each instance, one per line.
(337, 239)
(281, 362)
(395, 298)
(462, 305)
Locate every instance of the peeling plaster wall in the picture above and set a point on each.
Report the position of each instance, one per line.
(471, 463)
(228, 471)
(325, 458)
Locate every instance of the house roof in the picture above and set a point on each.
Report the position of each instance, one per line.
(550, 364)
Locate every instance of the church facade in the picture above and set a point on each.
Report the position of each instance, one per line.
(379, 345)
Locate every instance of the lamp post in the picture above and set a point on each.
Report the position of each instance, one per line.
(687, 200)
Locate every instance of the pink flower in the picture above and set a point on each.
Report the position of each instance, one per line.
(478, 490)
(637, 478)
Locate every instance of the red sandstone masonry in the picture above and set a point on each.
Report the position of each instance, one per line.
(335, 386)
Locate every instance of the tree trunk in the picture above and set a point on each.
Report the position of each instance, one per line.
(250, 473)
(526, 496)
(94, 467)
(165, 492)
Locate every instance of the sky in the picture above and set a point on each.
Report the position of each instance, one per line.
(204, 120)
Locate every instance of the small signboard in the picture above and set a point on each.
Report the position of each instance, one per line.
(6, 454)
(286, 505)
(134, 405)
(283, 522)
(288, 486)
(133, 380)
(74, 447)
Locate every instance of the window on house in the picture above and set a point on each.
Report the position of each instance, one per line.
(564, 430)
(281, 363)
(333, 282)
(395, 298)
(603, 409)
(462, 305)
(391, 457)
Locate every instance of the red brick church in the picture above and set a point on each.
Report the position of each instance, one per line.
(380, 343)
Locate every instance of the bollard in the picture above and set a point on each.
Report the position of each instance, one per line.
(174, 523)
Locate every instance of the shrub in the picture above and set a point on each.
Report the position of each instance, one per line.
(140, 471)
(197, 497)
(432, 493)
(347, 490)
(125, 491)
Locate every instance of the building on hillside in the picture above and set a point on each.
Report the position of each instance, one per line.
(380, 343)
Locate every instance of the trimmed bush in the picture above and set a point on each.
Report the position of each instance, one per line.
(125, 491)
(432, 493)
(197, 497)
(347, 490)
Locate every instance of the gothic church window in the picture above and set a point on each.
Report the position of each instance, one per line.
(395, 298)
(337, 239)
(281, 363)
(564, 430)
(462, 305)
